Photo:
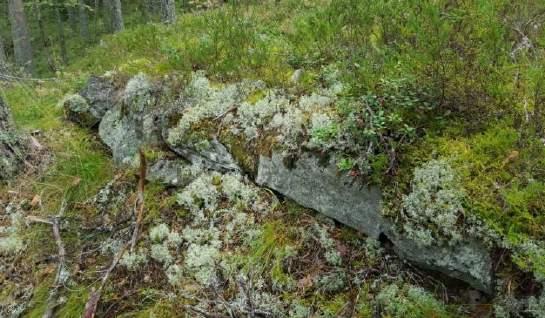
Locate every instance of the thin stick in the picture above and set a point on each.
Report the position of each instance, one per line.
(139, 204)
(92, 303)
(62, 274)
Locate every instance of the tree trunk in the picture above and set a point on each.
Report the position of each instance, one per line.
(83, 20)
(117, 16)
(3, 59)
(72, 17)
(169, 11)
(107, 14)
(12, 146)
(62, 37)
(41, 26)
(21, 38)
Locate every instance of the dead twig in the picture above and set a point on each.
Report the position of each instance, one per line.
(62, 273)
(139, 203)
(92, 303)
(204, 313)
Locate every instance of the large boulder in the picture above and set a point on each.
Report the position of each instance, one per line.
(13, 147)
(132, 122)
(91, 104)
(319, 186)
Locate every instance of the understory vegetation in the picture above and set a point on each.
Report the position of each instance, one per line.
(439, 103)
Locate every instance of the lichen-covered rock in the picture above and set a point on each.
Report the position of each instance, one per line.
(211, 154)
(100, 94)
(467, 260)
(322, 188)
(91, 104)
(77, 109)
(132, 122)
(192, 129)
(13, 147)
(172, 172)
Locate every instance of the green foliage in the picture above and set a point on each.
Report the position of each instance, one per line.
(75, 303)
(268, 251)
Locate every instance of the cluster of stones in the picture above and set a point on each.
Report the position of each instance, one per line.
(250, 129)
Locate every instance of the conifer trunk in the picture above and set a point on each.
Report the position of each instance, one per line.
(117, 16)
(83, 20)
(21, 39)
(62, 37)
(168, 11)
(3, 59)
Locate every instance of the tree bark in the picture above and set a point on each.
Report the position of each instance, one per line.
(12, 146)
(169, 11)
(72, 17)
(3, 59)
(117, 16)
(39, 17)
(20, 34)
(62, 37)
(83, 20)
(107, 10)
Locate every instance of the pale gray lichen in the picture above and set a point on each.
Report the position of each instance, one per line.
(200, 260)
(213, 227)
(134, 260)
(161, 253)
(159, 233)
(11, 242)
(433, 208)
(333, 282)
(174, 274)
(536, 306)
(331, 253)
(201, 100)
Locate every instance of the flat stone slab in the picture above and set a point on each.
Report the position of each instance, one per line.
(338, 196)
(322, 189)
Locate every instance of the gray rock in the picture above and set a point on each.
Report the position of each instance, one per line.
(13, 147)
(89, 106)
(214, 155)
(468, 261)
(321, 188)
(77, 109)
(100, 94)
(172, 172)
(132, 122)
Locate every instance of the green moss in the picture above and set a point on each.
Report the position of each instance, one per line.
(256, 96)
(157, 200)
(241, 151)
(38, 304)
(161, 309)
(75, 303)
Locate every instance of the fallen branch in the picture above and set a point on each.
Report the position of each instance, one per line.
(204, 313)
(92, 303)
(62, 274)
(139, 204)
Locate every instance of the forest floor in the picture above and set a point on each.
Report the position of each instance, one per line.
(296, 263)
